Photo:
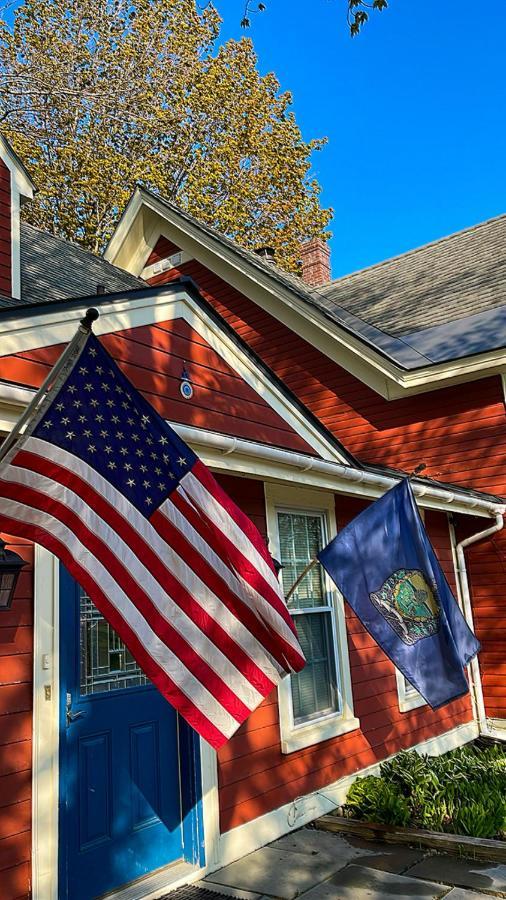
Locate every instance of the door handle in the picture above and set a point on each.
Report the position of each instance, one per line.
(71, 715)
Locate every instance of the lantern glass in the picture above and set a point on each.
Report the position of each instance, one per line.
(10, 566)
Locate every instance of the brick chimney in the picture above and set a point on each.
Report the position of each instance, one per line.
(15, 187)
(315, 256)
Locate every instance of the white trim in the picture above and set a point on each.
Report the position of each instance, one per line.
(45, 726)
(297, 736)
(255, 834)
(407, 699)
(168, 304)
(15, 242)
(210, 804)
(146, 217)
(21, 187)
(45, 753)
(230, 454)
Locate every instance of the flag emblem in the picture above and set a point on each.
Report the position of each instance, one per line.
(409, 605)
(182, 575)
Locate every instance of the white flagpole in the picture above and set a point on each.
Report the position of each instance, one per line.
(74, 346)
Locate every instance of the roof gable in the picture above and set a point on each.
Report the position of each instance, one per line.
(389, 364)
(156, 333)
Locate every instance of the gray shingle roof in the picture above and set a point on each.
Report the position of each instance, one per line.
(457, 276)
(54, 269)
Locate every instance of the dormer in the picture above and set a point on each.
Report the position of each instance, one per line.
(16, 187)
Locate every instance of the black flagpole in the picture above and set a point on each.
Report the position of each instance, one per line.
(72, 348)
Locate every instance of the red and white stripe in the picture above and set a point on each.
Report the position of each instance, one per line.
(191, 591)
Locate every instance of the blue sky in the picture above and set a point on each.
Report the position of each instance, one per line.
(414, 110)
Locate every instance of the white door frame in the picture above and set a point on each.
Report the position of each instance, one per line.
(45, 735)
(46, 724)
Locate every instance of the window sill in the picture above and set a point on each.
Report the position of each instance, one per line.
(408, 703)
(315, 732)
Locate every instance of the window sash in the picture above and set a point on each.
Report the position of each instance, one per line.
(316, 601)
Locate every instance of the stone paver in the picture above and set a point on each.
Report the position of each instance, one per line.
(462, 894)
(357, 883)
(331, 847)
(467, 873)
(394, 858)
(278, 873)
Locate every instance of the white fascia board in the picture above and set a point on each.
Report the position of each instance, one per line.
(169, 303)
(24, 183)
(346, 350)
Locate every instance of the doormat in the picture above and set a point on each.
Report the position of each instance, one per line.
(196, 893)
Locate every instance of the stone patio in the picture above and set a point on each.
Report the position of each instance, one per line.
(316, 865)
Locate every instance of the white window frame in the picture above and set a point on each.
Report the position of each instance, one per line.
(305, 734)
(408, 696)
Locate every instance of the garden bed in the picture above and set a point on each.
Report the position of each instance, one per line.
(455, 802)
(457, 844)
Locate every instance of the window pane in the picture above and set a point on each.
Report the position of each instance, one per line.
(408, 687)
(106, 664)
(314, 690)
(300, 539)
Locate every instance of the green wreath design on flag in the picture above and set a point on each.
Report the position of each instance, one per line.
(409, 604)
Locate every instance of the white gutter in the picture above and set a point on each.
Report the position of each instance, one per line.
(485, 726)
(376, 482)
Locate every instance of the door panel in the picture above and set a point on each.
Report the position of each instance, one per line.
(121, 813)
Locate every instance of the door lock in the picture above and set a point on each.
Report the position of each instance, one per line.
(72, 716)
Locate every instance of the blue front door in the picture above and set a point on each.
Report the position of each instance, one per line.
(124, 809)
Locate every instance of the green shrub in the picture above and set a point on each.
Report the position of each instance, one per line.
(374, 799)
(462, 792)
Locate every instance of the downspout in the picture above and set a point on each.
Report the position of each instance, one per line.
(483, 723)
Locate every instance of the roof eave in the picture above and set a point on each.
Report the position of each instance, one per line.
(390, 378)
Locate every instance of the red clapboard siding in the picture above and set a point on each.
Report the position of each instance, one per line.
(255, 777)
(153, 357)
(5, 231)
(163, 249)
(458, 432)
(16, 640)
(446, 428)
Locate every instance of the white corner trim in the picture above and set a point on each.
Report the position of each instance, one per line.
(255, 834)
(45, 726)
(298, 736)
(210, 804)
(15, 242)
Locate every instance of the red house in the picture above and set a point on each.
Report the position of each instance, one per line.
(309, 398)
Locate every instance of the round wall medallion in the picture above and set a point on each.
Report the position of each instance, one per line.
(186, 390)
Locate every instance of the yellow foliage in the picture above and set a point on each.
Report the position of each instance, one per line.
(99, 95)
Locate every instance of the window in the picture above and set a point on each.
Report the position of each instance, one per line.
(409, 698)
(315, 704)
(315, 690)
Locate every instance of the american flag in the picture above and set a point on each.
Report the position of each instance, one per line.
(182, 575)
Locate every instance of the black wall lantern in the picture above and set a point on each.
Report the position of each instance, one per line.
(10, 567)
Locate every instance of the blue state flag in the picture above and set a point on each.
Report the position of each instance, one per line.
(385, 567)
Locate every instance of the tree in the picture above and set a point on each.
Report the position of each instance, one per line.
(357, 11)
(98, 95)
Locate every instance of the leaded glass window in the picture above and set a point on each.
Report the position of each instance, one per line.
(105, 662)
(315, 690)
